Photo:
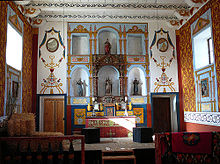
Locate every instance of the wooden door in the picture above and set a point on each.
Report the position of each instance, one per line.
(53, 115)
(162, 119)
(60, 115)
(49, 115)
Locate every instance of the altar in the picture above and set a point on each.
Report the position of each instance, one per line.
(112, 126)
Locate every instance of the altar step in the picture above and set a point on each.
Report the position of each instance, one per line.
(122, 156)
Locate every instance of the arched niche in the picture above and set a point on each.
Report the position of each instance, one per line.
(112, 38)
(77, 74)
(137, 73)
(108, 72)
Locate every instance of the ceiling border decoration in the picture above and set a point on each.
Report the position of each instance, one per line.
(68, 16)
(108, 5)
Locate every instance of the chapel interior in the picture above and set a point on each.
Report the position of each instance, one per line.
(105, 81)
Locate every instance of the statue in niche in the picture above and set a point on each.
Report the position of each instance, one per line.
(80, 84)
(108, 87)
(84, 87)
(107, 47)
(135, 82)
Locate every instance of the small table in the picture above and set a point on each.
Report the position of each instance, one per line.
(142, 135)
(92, 135)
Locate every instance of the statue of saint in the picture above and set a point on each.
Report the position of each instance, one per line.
(107, 47)
(108, 87)
(135, 82)
(79, 87)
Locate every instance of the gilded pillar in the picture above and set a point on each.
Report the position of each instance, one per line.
(68, 66)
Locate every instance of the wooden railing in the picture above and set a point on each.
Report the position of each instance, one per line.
(32, 149)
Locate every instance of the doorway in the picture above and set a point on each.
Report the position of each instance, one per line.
(164, 113)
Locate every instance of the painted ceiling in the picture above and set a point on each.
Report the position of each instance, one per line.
(173, 12)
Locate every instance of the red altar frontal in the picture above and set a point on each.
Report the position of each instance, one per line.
(112, 126)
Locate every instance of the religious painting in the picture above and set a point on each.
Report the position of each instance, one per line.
(162, 45)
(139, 113)
(15, 89)
(52, 44)
(79, 116)
(205, 87)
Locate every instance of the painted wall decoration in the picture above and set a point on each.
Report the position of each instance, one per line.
(206, 89)
(139, 113)
(163, 62)
(79, 116)
(51, 59)
(14, 88)
(3, 36)
(208, 118)
(187, 72)
(188, 88)
(27, 69)
(51, 81)
(162, 41)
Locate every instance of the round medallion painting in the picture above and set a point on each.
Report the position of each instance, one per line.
(52, 44)
(162, 45)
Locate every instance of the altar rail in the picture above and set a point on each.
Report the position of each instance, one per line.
(187, 148)
(39, 150)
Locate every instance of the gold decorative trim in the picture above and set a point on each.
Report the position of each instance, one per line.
(30, 10)
(111, 22)
(108, 27)
(37, 21)
(201, 23)
(135, 30)
(209, 66)
(14, 20)
(80, 29)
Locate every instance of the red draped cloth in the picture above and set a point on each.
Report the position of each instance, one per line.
(190, 142)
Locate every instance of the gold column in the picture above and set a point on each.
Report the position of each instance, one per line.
(90, 82)
(148, 89)
(147, 64)
(126, 85)
(210, 91)
(68, 67)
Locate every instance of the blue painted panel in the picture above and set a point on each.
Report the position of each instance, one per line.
(72, 116)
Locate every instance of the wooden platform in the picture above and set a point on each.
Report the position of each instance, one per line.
(122, 155)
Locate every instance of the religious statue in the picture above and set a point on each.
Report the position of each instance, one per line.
(79, 87)
(108, 87)
(135, 82)
(107, 47)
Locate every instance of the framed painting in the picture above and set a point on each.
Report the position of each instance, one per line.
(205, 87)
(15, 86)
(162, 45)
(52, 44)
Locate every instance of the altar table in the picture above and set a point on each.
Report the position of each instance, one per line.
(112, 126)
